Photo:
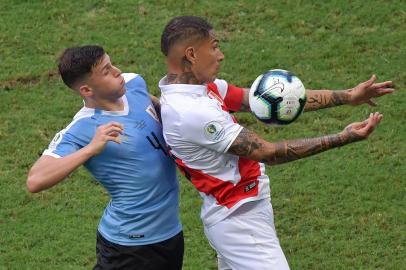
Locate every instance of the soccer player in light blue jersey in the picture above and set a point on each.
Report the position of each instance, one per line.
(117, 136)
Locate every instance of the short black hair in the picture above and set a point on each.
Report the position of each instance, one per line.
(77, 62)
(182, 28)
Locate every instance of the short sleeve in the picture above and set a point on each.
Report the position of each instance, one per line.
(62, 145)
(234, 98)
(232, 95)
(210, 128)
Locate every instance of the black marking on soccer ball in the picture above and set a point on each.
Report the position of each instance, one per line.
(262, 93)
(302, 102)
(283, 73)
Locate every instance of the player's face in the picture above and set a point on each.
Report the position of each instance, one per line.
(106, 81)
(208, 59)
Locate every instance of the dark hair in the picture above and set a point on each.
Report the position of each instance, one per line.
(181, 28)
(77, 62)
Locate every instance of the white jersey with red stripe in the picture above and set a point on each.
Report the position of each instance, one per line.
(199, 129)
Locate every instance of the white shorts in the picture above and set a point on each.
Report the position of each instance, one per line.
(247, 240)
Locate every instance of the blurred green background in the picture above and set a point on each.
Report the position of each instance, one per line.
(343, 209)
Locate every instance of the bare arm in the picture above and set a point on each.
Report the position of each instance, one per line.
(320, 99)
(360, 94)
(49, 171)
(245, 106)
(157, 105)
(249, 144)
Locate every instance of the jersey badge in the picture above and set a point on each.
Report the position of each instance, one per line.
(214, 131)
(151, 111)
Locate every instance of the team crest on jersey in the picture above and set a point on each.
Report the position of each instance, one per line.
(214, 131)
(151, 111)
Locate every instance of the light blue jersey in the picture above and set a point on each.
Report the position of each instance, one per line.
(138, 173)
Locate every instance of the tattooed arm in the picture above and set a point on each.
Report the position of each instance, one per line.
(360, 94)
(250, 145)
(320, 99)
(245, 106)
(157, 105)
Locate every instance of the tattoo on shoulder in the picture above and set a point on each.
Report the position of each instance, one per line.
(245, 143)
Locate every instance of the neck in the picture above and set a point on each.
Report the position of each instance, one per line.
(106, 105)
(181, 74)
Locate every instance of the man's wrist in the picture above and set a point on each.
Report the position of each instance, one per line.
(89, 151)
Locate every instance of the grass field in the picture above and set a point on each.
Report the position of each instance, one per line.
(343, 209)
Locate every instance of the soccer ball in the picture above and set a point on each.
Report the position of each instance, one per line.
(277, 97)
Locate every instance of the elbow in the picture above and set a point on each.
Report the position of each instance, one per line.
(259, 156)
(266, 156)
(33, 184)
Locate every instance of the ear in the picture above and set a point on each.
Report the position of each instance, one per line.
(85, 90)
(190, 54)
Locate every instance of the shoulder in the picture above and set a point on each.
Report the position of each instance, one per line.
(134, 82)
(191, 114)
(82, 123)
(219, 86)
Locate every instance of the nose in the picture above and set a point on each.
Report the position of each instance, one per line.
(220, 56)
(117, 71)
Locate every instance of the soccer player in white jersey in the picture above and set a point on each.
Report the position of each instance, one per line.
(117, 136)
(225, 161)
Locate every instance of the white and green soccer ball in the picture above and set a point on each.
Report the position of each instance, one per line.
(277, 97)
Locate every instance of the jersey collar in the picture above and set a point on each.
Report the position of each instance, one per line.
(112, 113)
(199, 89)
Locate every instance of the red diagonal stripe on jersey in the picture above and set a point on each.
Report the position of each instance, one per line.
(226, 193)
(233, 98)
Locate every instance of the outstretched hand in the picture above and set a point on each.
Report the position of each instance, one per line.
(365, 91)
(360, 130)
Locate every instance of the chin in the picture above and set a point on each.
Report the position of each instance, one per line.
(122, 91)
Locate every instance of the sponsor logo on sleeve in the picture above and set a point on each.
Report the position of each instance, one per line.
(214, 131)
(56, 140)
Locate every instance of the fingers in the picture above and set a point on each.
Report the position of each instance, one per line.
(372, 122)
(111, 131)
(115, 139)
(115, 124)
(371, 103)
(370, 81)
(384, 91)
(387, 84)
(112, 126)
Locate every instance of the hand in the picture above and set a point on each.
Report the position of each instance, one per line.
(104, 134)
(365, 91)
(361, 130)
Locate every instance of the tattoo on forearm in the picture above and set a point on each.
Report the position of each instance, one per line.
(326, 99)
(296, 149)
(245, 143)
(338, 98)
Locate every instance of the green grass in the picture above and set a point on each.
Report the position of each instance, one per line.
(343, 209)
